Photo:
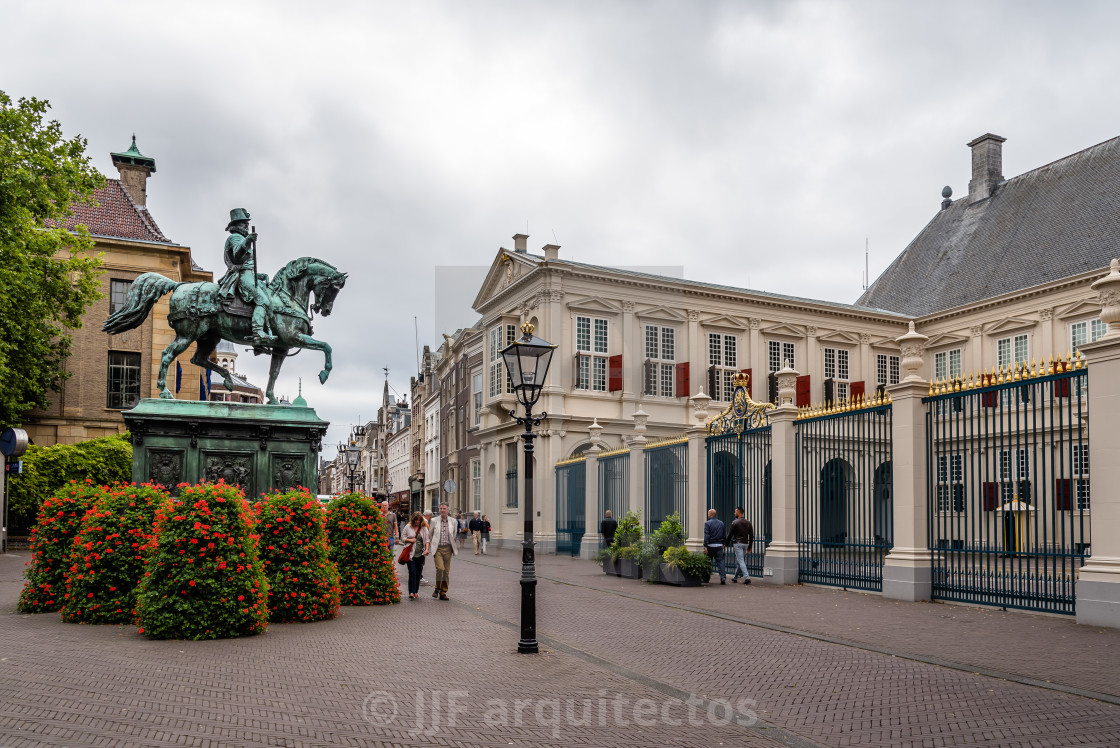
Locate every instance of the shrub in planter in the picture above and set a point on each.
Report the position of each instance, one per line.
(682, 567)
(60, 516)
(303, 583)
(668, 535)
(107, 556)
(360, 546)
(202, 576)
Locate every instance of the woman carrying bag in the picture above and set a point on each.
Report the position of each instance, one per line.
(415, 530)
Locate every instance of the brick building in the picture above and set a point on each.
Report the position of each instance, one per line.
(110, 373)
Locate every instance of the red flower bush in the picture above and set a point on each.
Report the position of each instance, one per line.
(202, 577)
(360, 547)
(303, 583)
(106, 558)
(60, 516)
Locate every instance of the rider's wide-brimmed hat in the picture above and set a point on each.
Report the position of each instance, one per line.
(235, 215)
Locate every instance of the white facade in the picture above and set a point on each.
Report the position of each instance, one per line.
(397, 452)
(431, 448)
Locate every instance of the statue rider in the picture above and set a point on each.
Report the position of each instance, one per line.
(241, 275)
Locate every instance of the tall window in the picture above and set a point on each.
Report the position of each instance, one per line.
(836, 369)
(950, 483)
(886, 369)
(118, 294)
(476, 396)
(723, 357)
(1015, 477)
(124, 380)
(1011, 351)
(500, 337)
(1081, 474)
(947, 364)
(476, 485)
(591, 354)
(660, 354)
(1085, 331)
(781, 353)
(511, 475)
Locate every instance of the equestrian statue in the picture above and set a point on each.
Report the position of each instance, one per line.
(242, 307)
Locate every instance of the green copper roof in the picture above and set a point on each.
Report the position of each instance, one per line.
(134, 156)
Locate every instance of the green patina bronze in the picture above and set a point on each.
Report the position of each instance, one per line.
(243, 307)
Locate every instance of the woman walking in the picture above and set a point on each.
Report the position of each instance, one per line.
(415, 534)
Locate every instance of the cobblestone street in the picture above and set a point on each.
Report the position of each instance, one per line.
(622, 663)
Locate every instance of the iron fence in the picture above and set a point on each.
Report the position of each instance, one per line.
(739, 477)
(666, 467)
(844, 494)
(614, 483)
(571, 520)
(1008, 487)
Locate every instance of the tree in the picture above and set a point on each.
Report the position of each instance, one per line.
(48, 275)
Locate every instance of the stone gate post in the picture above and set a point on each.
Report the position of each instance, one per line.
(781, 561)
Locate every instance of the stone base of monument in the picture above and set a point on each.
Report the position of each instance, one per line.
(257, 447)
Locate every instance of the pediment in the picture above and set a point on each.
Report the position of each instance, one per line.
(726, 321)
(784, 330)
(1082, 308)
(594, 305)
(1010, 324)
(944, 339)
(662, 313)
(885, 343)
(839, 336)
(507, 268)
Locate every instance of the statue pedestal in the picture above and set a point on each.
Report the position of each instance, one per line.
(257, 447)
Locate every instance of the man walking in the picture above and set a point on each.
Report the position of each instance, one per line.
(392, 530)
(475, 527)
(741, 538)
(485, 533)
(442, 534)
(713, 543)
(607, 528)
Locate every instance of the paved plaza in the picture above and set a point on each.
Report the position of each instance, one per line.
(622, 663)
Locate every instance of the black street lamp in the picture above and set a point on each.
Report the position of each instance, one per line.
(352, 455)
(527, 360)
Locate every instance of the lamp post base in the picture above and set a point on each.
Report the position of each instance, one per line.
(528, 642)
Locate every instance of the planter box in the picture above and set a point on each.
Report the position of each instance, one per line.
(610, 567)
(674, 576)
(629, 569)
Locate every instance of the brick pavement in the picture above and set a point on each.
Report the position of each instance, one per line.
(317, 684)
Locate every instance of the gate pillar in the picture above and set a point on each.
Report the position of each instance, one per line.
(591, 537)
(1098, 583)
(781, 563)
(697, 489)
(908, 568)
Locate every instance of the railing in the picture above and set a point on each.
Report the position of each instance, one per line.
(614, 483)
(844, 493)
(571, 520)
(739, 477)
(666, 473)
(1008, 486)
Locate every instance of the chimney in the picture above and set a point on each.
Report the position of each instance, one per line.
(987, 166)
(135, 168)
(520, 243)
(551, 251)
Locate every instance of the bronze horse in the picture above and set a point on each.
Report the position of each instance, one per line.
(197, 315)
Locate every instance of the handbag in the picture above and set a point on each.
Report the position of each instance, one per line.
(406, 555)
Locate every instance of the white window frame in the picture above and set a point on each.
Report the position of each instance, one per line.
(836, 368)
(1080, 460)
(661, 369)
(592, 348)
(476, 396)
(779, 352)
(1085, 331)
(723, 355)
(950, 473)
(476, 485)
(887, 369)
(497, 369)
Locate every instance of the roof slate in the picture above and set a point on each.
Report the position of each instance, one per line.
(116, 215)
(1054, 222)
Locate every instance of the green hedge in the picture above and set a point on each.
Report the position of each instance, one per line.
(303, 583)
(360, 546)
(107, 556)
(203, 578)
(47, 469)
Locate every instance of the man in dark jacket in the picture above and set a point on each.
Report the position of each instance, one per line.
(741, 538)
(714, 535)
(475, 526)
(607, 528)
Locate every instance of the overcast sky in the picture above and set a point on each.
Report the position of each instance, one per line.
(752, 143)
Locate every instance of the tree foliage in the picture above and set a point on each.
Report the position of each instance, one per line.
(48, 275)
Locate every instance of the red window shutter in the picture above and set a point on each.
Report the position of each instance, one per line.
(712, 384)
(855, 391)
(614, 373)
(990, 399)
(991, 497)
(1063, 494)
(682, 380)
(1061, 388)
(804, 396)
(750, 382)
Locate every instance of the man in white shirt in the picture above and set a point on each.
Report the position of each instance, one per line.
(443, 531)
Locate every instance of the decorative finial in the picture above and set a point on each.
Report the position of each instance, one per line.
(527, 328)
